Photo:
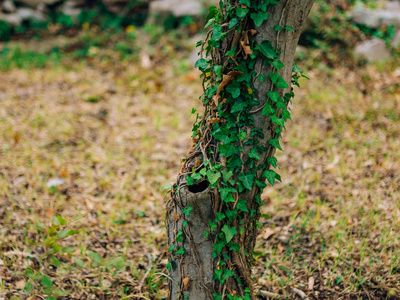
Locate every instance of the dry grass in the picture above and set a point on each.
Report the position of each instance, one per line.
(114, 130)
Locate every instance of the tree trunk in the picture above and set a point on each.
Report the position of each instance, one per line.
(193, 208)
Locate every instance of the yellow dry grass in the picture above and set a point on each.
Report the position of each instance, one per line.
(114, 131)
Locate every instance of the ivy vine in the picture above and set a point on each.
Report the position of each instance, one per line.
(221, 135)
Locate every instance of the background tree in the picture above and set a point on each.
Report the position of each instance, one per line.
(214, 209)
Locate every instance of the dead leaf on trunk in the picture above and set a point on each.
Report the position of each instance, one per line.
(176, 217)
(185, 282)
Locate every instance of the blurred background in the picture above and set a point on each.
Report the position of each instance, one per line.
(94, 105)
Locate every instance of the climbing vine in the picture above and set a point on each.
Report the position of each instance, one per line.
(227, 156)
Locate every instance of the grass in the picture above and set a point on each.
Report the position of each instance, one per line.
(112, 124)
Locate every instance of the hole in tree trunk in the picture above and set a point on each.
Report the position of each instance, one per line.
(199, 187)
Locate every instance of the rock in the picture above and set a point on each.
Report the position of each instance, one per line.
(36, 3)
(178, 8)
(392, 5)
(12, 19)
(372, 50)
(55, 182)
(9, 6)
(396, 40)
(29, 14)
(375, 17)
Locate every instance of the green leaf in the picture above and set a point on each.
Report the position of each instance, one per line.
(225, 192)
(242, 205)
(167, 187)
(270, 175)
(187, 210)
(245, 2)
(218, 70)
(267, 110)
(289, 28)
(213, 177)
(254, 154)
(171, 248)
(219, 246)
(181, 251)
(259, 18)
(217, 33)
(274, 77)
(247, 180)
(233, 90)
(226, 175)
(80, 263)
(210, 22)
(275, 143)
(201, 64)
(65, 233)
(277, 121)
(273, 161)
(228, 150)
(267, 50)
(277, 64)
(241, 12)
(169, 266)
(278, 27)
(281, 84)
(95, 256)
(274, 96)
(229, 232)
(233, 23)
(238, 106)
(46, 282)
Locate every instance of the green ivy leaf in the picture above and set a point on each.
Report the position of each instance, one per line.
(181, 251)
(229, 232)
(242, 205)
(277, 121)
(259, 18)
(274, 77)
(270, 176)
(241, 12)
(277, 64)
(233, 90)
(225, 192)
(267, 50)
(171, 248)
(254, 154)
(169, 266)
(226, 175)
(247, 180)
(289, 28)
(275, 143)
(219, 246)
(278, 27)
(267, 110)
(201, 64)
(281, 84)
(245, 2)
(274, 96)
(233, 23)
(273, 161)
(238, 106)
(213, 177)
(209, 23)
(228, 150)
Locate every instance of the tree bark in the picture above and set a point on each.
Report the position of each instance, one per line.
(192, 273)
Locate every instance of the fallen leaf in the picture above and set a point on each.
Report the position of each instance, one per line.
(176, 217)
(185, 282)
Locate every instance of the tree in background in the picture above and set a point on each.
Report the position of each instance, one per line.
(212, 216)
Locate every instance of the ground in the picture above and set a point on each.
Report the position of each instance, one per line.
(110, 124)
